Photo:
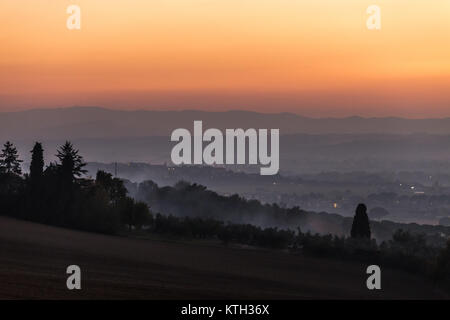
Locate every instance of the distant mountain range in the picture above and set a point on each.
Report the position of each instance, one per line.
(95, 122)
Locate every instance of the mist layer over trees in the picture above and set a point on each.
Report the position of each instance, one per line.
(192, 200)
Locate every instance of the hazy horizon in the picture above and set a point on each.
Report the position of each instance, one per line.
(230, 110)
(218, 55)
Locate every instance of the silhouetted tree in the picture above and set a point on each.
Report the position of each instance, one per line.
(141, 215)
(37, 164)
(113, 186)
(360, 226)
(9, 159)
(126, 209)
(71, 163)
(35, 204)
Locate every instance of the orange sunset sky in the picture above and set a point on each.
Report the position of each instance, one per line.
(314, 58)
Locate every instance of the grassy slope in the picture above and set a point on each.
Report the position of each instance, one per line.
(33, 259)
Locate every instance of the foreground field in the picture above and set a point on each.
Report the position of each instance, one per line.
(34, 258)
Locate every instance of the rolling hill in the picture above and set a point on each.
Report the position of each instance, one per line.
(34, 259)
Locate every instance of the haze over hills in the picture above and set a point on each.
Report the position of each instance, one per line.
(306, 144)
(94, 122)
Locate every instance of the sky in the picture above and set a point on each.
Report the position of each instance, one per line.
(315, 58)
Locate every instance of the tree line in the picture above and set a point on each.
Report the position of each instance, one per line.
(405, 251)
(58, 194)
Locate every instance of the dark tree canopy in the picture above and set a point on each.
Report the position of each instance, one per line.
(71, 163)
(361, 226)
(9, 159)
(37, 163)
(113, 186)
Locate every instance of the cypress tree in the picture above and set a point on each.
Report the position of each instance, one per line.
(37, 164)
(361, 226)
